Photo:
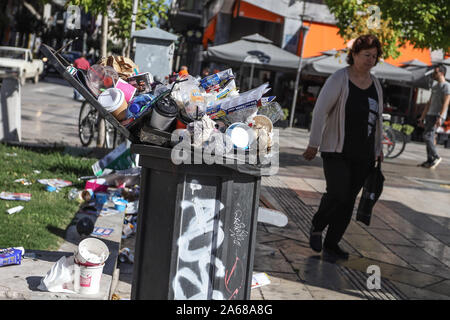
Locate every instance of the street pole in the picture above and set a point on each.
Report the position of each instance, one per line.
(304, 30)
(133, 25)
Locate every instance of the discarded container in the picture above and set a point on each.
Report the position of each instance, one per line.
(101, 78)
(88, 268)
(113, 100)
(101, 197)
(241, 135)
(87, 195)
(120, 204)
(142, 82)
(50, 188)
(10, 256)
(126, 88)
(164, 113)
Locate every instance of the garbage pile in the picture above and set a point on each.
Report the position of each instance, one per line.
(193, 110)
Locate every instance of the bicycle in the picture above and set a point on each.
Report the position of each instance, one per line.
(91, 124)
(394, 141)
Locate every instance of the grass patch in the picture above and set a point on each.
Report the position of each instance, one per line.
(42, 223)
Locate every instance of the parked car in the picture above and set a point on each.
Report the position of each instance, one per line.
(20, 60)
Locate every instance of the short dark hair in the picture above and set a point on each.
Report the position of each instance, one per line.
(441, 68)
(367, 41)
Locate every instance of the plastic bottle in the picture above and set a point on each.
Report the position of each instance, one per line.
(137, 103)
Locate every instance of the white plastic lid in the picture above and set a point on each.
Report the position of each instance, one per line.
(111, 99)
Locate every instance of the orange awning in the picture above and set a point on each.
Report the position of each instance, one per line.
(323, 37)
(247, 10)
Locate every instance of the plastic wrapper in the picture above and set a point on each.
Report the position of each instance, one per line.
(239, 108)
(217, 81)
(189, 96)
(11, 256)
(271, 110)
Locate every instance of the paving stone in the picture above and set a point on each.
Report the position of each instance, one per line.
(436, 249)
(285, 287)
(264, 237)
(415, 255)
(365, 242)
(319, 293)
(441, 288)
(390, 237)
(394, 272)
(443, 272)
(269, 259)
(414, 293)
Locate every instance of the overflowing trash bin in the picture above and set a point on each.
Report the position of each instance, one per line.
(202, 148)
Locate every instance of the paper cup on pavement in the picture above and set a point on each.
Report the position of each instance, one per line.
(87, 278)
(88, 268)
(113, 100)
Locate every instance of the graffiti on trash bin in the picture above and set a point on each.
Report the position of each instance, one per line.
(192, 280)
(235, 275)
(237, 231)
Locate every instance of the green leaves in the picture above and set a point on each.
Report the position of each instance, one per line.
(120, 21)
(425, 24)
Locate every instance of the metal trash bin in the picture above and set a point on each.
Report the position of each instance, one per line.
(196, 229)
(196, 226)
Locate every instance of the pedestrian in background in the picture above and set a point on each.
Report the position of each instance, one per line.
(347, 128)
(183, 73)
(434, 115)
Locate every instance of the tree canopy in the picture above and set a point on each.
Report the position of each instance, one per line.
(425, 24)
(120, 21)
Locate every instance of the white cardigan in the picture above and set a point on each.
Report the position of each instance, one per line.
(328, 119)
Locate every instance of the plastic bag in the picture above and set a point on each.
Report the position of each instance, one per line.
(60, 277)
(191, 97)
(100, 78)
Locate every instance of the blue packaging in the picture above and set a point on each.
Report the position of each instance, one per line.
(10, 256)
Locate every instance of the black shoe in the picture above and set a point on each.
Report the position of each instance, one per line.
(425, 164)
(335, 251)
(315, 239)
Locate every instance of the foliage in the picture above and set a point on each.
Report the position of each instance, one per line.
(423, 23)
(147, 12)
(120, 20)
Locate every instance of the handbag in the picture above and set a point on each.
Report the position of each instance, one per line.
(372, 189)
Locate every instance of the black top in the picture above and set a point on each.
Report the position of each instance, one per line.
(361, 114)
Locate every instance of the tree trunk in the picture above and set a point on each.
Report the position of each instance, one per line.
(104, 41)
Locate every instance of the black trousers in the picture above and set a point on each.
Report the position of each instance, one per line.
(344, 179)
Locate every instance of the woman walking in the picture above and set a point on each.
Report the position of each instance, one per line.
(347, 128)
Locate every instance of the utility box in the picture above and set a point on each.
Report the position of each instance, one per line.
(154, 51)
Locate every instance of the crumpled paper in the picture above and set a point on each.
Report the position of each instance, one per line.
(124, 66)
